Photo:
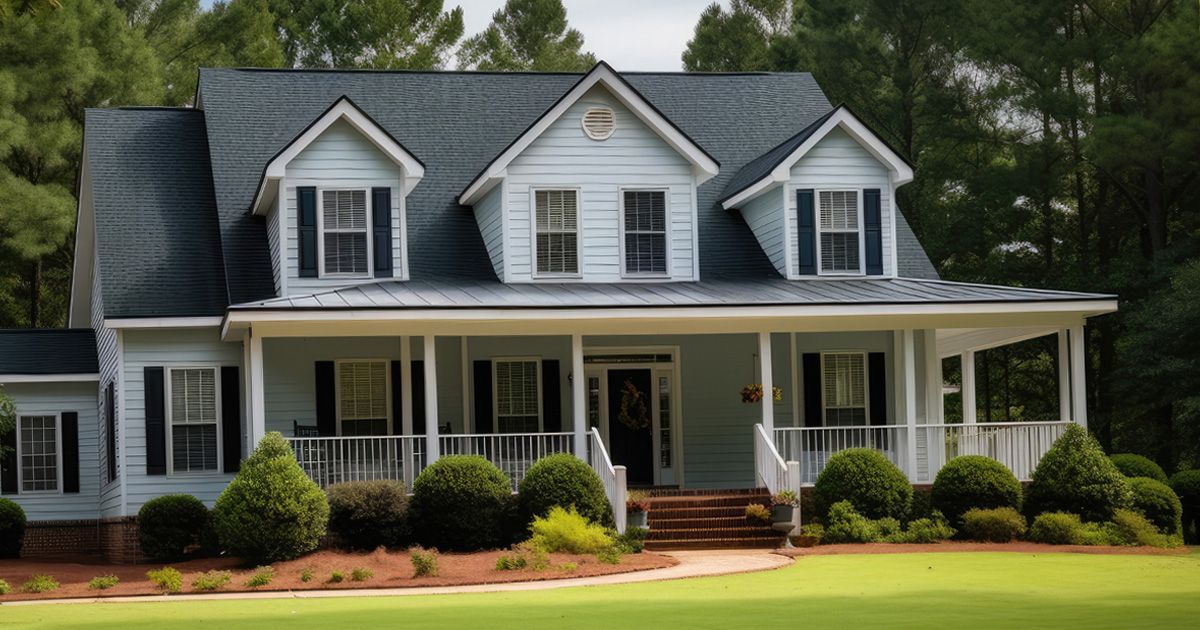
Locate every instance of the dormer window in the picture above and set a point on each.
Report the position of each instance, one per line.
(644, 227)
(344, 238)
(839, 227)
(557, 243)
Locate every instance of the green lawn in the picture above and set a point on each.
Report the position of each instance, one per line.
(973, 590)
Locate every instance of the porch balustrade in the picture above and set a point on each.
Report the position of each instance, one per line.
(512, 453)
(330, 460)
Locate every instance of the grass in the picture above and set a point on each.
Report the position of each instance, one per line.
(979, 590)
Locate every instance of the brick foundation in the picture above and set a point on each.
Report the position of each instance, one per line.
(115, 539)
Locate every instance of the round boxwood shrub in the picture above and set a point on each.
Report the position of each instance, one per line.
(1001, 525)
(1057, 528)
(1186, 484)
(271, 510)
(864, 477)
(12, 529)
(1075, 476)
(460, 503)
(974, 481)
(169, 524)
(366, 515)
(1159, 503)
(1132, 465)
(563, 480)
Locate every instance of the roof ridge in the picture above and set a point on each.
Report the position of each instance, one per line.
(686, 73)
(9, 331)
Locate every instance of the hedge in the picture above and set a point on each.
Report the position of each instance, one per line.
(974, 481)
(461, 503)
(169, 524)
(864, 477)
(366, 515)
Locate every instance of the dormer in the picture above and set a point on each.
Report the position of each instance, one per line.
(822, 203)
(334, 203)
(600, 188)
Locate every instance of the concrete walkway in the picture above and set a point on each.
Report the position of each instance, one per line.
(691, 564)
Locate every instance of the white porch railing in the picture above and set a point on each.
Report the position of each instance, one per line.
(1017, 445)
(813, 446)
(613, 477)
(770, 469)
(330, 460)
(512, 453)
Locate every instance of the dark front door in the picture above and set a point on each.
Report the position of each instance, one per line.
(630, 428)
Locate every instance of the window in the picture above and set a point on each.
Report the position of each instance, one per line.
(194, 424)
(845, 388)
(645, 225)
(557, 216)
(664, 421)
(363, 397)
(839, 229)
(39, 453)
(518, 395)
(345, 238)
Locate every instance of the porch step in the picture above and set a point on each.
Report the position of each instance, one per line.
(708, 501)
(714, 543)
(723, 521)
(743, 531)
(707, 519)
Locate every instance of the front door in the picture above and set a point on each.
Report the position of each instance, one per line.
(631, 424)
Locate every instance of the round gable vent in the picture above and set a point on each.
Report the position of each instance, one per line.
(599, 123)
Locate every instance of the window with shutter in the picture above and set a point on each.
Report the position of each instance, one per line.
(644, 227)
(557, 245)
(38, 454)
(518, 395)
(194, 420)
(839, 228)
(363, 397)
(844, 388)
(345, 232)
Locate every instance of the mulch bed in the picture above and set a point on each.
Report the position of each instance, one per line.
(392, 569)
(954, 546)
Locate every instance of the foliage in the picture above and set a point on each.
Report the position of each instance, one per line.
(1132, 465)
(1158, 503)
(758, 514)
(336, 577)
(169, 524)
(633, 540)
(213, 580)
(568, 566)
(262, 576)
(739, 38)
(1075, 476)
(5, 589)
(271, 510)
(1056, 528)
(527, 35)
(424, 561)
(753, 393)
(1130, 528)
(814, 530)
(568, 531)
(610, 555)
(460, 502)
(366, 515)
(40, 584)
(864, 477)
(785, 497)
(845, 525)
(1001, 524)
(103, 582)
(974, 481)
(564, 480)
(167, 579)
(1186, 484)
(637, 500)
(926, 530)
(306, 575)
(526, 555)
(361, 574)
(12, 529)
(8, 422)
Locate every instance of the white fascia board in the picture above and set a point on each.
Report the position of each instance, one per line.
(703, 166)
(952, 342)
(48, 378)
(163, 322)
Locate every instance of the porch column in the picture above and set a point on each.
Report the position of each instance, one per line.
(768, 387)
(968, 387)
(431, 400)
(406, 409)
(910, 398)
(578, 397)
(1078, 376)
(256, 418)
(1064, 377)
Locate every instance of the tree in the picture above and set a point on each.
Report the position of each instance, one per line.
(527, 35)
(8, 421)
(739, 39)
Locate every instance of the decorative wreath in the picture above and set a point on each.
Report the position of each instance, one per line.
(633, 407)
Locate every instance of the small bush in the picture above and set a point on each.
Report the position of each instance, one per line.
(460, 502)
(974, 481)
(924, 531)
(337, 577)
(12, 529)
(262, 576)
(609, 555)
(563, 480)
(568, 566)
(757, 514)
(525, 555)
(361, 574)
(1057, 528)
(103, 582)
(1001, 525)
(366, 515)
(306, 575)
(5, 589)
(170, 524)
(1075, 476)
(425, 562)
(1095, 535)
(633, 540)
(815, 530)
(1130, 528)
(864, 477)
(271, 510)
(1132, 465)
(845, 525)
(212, 580)
(1186, 484)
(1159, 503)
(40, 584)
(167, 579)
(569, 532)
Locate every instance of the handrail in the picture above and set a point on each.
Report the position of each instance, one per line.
(612, 477)
(769, 467)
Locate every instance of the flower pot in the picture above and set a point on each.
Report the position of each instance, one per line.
(636, 519)
(782, 513)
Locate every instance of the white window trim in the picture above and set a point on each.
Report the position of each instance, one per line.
(21, 491)
(321, 273)
(170, 422)
(861, 232)
(533, 233)
(866, 385)
(496, 391)
(635, 275)
(387, 388)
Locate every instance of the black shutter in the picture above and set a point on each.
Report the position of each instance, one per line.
(485, 415)
(156, 422)
(70, 452)
(812, 389)
(326, 399)
(877, 377)
(807, 232)
(397, 399)
(306, 202)
(551, 397)
(8, 465)
(381, 226)
(873, 223)
(110, 425)
(418, 397)
(231, 417)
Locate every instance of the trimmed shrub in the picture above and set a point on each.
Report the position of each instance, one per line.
(1001, 525)
(212, 580)
(564, 480)
(864, 477)
(366, 515)
(930, 529)
(845, 525)
(425, 562)
(1057, 528)
(5, 589)
(361, 574)
(460, 502)
(1075, 476)
(1130, 528)
(974, 481)
(103, 582)
(1186, 484)
(336, 577)
(1132, 465)
(167, 579)
(922, 503)
(1158, 503)
(271, 510)
(569, 532)
(169, 524)
(524, 556)
(12, 529)
(40, 584)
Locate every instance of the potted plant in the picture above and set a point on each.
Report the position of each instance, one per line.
(757, 514)
(783, 506)
(637, 506)
(753, 393)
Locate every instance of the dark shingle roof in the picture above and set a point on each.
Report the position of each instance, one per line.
(48, 351)
(156, 222)
(762, 165)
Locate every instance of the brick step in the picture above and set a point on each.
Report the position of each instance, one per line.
(735, 520)
(676, 492)
(697, 513)
(714, 543)
(746, 532)
(739, 501)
